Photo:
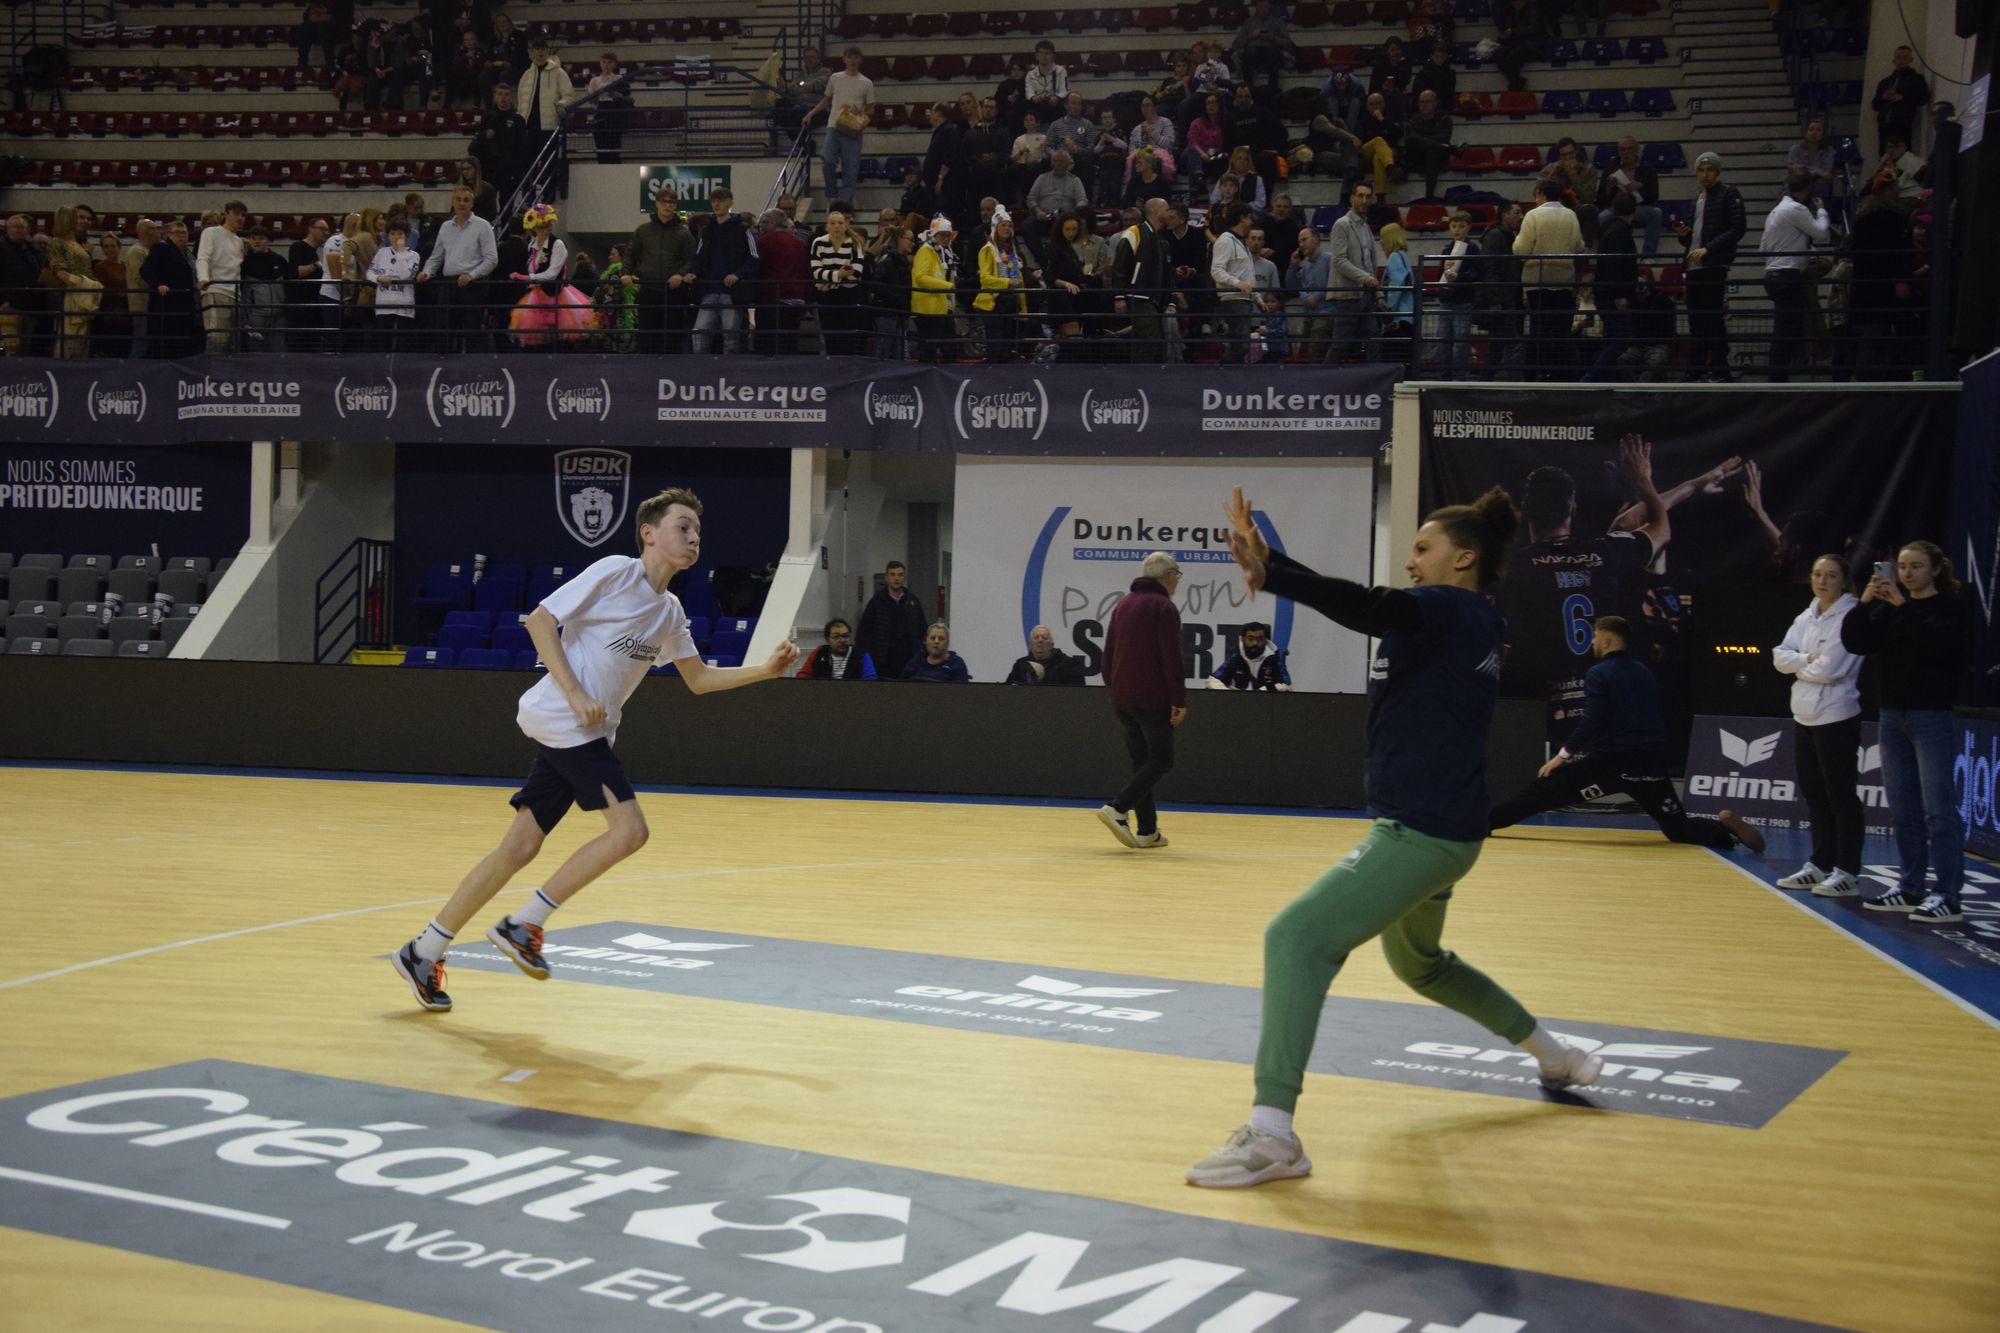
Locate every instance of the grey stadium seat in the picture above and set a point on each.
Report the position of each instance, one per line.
(184, 611)
(134, 585)
(6, 563)
(32, 648)
(28, 583)
(6, 608)
(87, 648)
(200, 564)
(39, 560)
(171, 631)
(126, 629)
(149, 563)
(30, 625)
(100, 563)
(222, 566)
(79, 584)
(79, 627)
(183, 585)
(141, 648)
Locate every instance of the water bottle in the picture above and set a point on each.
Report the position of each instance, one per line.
(163, 605)
(478, 567)
(107, 610)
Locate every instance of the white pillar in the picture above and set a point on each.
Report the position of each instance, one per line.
(263, 462)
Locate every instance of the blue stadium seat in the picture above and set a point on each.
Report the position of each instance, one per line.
(502, 596)
(561, 574)
(513, 638)
(479, 620)
(446, 585)
(1653, 101)
(664, 669)
(1664, 156)
(736, 625)
(485, 659)
(1602, 50)
(540, 588)
(526, 661)
(1472, 11)
(510, 572)
(427, 657)
(458, 638)
(1607, 102)
(697, 598)
(698, 629)
(1324, 217)
(1645, 50)
(1561, 53)
(723, 660)
(729, 643)
(1563, 103)
(1605, 159)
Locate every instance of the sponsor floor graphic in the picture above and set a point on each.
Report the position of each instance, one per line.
(1679, 1075)
(525, 1220)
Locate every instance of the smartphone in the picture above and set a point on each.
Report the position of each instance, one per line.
(1884, 570)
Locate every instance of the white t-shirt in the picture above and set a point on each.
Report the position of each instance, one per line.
(615, 627)
(844, 89)
(335, 244)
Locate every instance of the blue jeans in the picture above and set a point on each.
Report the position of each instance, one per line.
(1452, 329)
(840, 154)
(1916, 769)
(1645, 215)
(717, 310)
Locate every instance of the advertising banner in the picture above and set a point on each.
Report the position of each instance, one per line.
(1751, 487)
(188, 500)
(1975, 519)
(704, 401)
(1058, 543)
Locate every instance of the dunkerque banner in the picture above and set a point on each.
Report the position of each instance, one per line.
(740, 402)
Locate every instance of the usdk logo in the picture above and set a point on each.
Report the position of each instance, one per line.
(593, 488)
(1633, 1061)
(587, 401)
(486, 398)
(126, 405)
(364, 398)
(1050, 995)
(30, 398)
(1748, 753)
(902, 405)
(1021, 410)
(1124, 409)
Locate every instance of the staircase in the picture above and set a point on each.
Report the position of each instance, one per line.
(1734, 84)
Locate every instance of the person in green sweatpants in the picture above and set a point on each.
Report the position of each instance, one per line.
(1432, 687)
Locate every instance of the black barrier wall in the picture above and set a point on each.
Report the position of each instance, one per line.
(988, 740)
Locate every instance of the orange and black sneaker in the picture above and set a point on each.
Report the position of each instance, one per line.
(425, 977)
(522, 943)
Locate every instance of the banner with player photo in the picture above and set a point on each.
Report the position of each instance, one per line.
(1058, 542)
(1642, 504)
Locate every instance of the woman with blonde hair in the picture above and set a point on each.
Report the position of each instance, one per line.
(1002, 287)
(550, 310)
(1399, 300)
(71, 263)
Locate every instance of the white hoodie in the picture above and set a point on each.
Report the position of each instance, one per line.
(1826, 689)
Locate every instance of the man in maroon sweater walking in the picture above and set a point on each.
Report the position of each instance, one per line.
(1148, 681)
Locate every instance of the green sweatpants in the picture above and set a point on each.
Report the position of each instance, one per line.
(1396, 883)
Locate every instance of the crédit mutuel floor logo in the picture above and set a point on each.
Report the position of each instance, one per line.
(523, 1219)
(1677, 1075)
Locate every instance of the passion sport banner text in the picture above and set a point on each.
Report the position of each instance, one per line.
(794, 402)
(1755, 486)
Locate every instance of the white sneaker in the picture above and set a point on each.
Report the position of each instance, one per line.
(1839, 884)
(1114, 821)
(1251, 1157)
(1579, 1068)
(1807, 876)
(1153, 839)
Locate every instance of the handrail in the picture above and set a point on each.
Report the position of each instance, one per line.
(353, 613)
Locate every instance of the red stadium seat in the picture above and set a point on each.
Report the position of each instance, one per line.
(1425, 217)
(1154, 18)
(908, 69)
(1520, 158)
(1005, 20)
(929, 25)
(947, 67)
(1104, 63)
(1474, 161)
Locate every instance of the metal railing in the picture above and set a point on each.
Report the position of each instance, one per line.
(354, 599)
(44, 24)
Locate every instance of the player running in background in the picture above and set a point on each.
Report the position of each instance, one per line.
(1431, 687)
(598, 635)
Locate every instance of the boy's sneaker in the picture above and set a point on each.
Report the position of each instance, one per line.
(522, 943)
(1839, 884)
(1807, 876)
(1251, 1157)
(1742, 830)
(1116, 822)
(1579, 1069)
(1153, 839)
(1898, 901)
(1937, 911)
(425, 977)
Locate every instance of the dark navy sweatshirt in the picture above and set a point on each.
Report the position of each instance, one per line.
(1621, 709)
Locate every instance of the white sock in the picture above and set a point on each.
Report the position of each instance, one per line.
(433, 942)
(1272, 1121)
(536, 910)
(1549, 1050)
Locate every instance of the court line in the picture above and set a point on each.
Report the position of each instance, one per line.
(155, 1200)
(1897, 963)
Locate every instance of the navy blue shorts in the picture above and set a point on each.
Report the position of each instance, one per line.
(578, 775)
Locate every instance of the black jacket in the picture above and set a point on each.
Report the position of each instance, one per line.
(1617, 262)
(1145, 273)
(1499, 271)
(1645, 186)
(20, 275)
(1060, 669)
(724, 248)
(500, 146)
(892, 629)
(1621, 709)
(1918, 649)
(1722, 227)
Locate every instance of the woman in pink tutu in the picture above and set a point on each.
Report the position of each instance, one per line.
(551, 311)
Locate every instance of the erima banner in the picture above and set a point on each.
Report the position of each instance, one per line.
(515, 1218)
(741, 402)
(1062, 539)
(1713, 491)
(188, 500)
(1675, 1075)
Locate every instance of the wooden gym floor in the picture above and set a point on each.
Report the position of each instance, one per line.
(157, 918)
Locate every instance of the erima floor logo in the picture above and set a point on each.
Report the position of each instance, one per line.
(1052, 996)
(593, 488)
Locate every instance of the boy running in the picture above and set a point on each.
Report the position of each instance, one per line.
(616, 619)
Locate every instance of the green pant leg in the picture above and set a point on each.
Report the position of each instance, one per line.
(1438, 974)
(1389, 873)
